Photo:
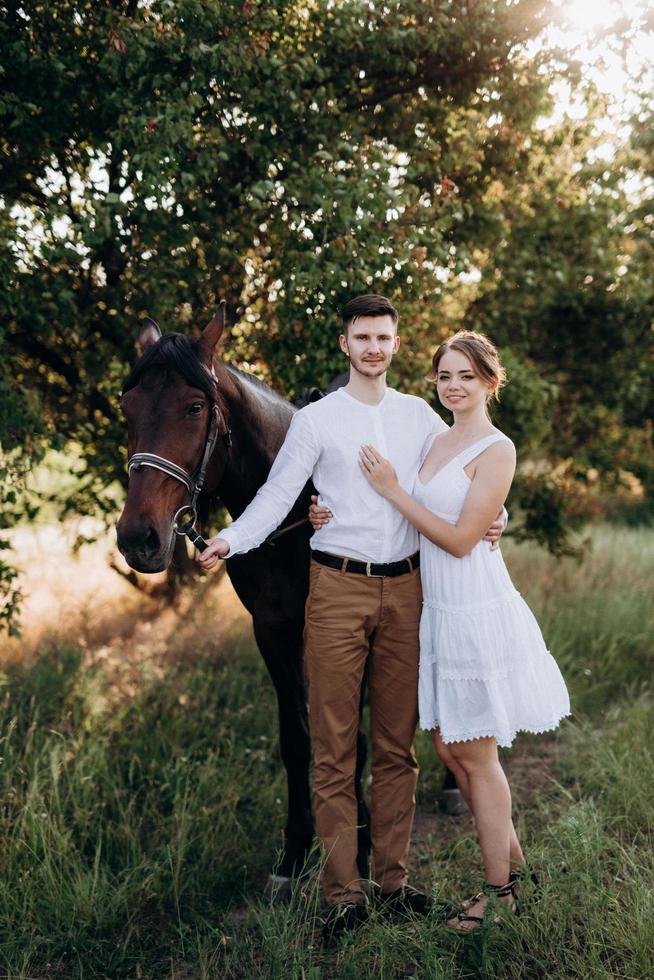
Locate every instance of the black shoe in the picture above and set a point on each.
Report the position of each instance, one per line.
(407, 900)
(342, 918)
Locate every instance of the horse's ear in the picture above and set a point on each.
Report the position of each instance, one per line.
(213, 331)
(149, 334)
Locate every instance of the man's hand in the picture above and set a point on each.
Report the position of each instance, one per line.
(318, 515)
(495, 531)
(216, 549)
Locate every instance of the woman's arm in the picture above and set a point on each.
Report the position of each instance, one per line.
(488, 491)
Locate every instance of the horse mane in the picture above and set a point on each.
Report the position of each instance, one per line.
(269, 393)
(179, 354)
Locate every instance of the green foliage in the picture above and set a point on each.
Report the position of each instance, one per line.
(181, 153)
(156, 157)
(550, 507)
(268, 156)
(21, 443)
(566, 289)
(525, 408)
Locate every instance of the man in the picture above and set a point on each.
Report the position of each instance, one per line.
(363, 607)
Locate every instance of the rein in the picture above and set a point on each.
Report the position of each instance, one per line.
(282, 530)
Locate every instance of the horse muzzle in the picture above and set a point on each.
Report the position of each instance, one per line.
(143, 547)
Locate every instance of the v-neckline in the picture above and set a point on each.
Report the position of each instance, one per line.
(452, 460)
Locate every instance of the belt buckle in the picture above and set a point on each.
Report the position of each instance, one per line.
(369, 573)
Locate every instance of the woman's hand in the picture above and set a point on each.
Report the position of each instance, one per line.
(318, 515)
(378, 471)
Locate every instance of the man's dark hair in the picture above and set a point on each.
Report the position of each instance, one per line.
(369, 305)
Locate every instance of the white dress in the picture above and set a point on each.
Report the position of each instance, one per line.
(484, 666)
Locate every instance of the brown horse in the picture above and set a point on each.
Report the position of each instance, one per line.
(182, 404)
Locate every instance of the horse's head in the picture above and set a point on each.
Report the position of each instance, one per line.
(170, 401)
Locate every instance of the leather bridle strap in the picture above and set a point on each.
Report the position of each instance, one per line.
(159, 463)
(206, 455)
(193, 484)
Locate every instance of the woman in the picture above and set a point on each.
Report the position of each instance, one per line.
(485, 672)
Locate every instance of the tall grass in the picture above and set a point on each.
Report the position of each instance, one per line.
(597, 615)
(136, 830)
(121, 831)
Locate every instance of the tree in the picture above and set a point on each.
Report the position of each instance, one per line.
(282, 156)
(568, 288)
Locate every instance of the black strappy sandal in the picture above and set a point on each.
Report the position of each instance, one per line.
(521, 876)
(489, 890)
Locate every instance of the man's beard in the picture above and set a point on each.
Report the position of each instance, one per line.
(374, 368)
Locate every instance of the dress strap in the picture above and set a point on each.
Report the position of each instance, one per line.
(477, 448)
(429, 442)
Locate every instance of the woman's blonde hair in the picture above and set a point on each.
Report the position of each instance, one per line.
(481, 353)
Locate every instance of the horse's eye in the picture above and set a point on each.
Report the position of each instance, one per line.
(195, 408)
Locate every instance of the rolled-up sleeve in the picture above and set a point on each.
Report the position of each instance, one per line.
(290, 471)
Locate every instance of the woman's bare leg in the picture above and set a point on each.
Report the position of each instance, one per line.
(490, 802)
(516, 857)
(483, 785)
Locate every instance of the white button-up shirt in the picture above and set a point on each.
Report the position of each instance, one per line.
(323, 444)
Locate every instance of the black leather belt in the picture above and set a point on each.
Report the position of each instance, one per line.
(390, 570)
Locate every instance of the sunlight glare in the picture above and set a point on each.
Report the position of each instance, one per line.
(589, 15)
(612, 46)
(584, 17)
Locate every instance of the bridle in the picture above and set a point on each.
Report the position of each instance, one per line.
(193, 483)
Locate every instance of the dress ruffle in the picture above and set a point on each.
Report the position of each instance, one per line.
(485, 671)
(465, 710)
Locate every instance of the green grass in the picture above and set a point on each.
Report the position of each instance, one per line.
(136, 831)
(128, 831)
(598, 615)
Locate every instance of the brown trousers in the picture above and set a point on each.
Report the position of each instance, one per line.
(352, 619)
